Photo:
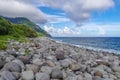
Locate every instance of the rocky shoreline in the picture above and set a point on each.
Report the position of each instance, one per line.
(45, 59)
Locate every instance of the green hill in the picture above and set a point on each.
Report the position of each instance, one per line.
(9, 30)
(25, 21)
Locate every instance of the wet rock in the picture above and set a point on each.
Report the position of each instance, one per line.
(27, 75)
(42, 76)
(12, 67)
(6, 75)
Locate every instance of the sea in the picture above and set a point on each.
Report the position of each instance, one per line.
(107, 44)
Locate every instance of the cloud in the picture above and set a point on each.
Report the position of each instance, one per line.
(57, 19)
(79, 10)
(18, 8)
(66, 31)
(101, 31)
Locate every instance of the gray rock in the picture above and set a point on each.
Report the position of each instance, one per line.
(59, 54)
(27, 75)
(16, 75)
(46, 69)
(1, 63)
(12, 67)
(37, 62)
(116, 68)
(24, 59)
(20, 63)
(56, 74)
(79, 77)
(42, 76)
(71, 78)
(75, 66)
(87, 76)
(7, 75)
(66, 62)
(9, 59)
(1, 78)
(12, 52)
(34, 68)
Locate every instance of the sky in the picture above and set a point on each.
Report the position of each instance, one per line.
(68, 18)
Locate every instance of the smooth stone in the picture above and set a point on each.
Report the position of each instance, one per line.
(98, 73)
(56, 74)
(12, 52)
(66, 63)
(12, 67)
(46, 69)
(116, 68)
(9, 59)
(42, 76)
(34, 68)
(79, 77)
(37, 62)
(24, 59)
(87, 76)
(1, 78)
(20, 63)
(71, 78)
(27, 75)
(113, 77)
(59, 55)
(6, 75)
(97, 78)
(74, 66)
(16, 75)
(1, 63)
(50, 63)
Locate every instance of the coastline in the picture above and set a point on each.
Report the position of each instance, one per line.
(47, 59)
(98, 50)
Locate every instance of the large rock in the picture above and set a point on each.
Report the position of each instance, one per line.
(75, 66)
(46, 69)
(87, 76)
(59, 55)
(1, 63)
(71, 78)
(16, 75)
(66, 62)
(6, 75)
(27, 75)
(34, 68)
(13, 53)
(42, 76)
(24, 59)
(12, 67)
(20, 63)
(116, 68)
(98, 73)
(57, 74)
(37, 62)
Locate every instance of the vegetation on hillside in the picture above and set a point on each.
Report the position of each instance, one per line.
(25, 21)
(9, 30)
